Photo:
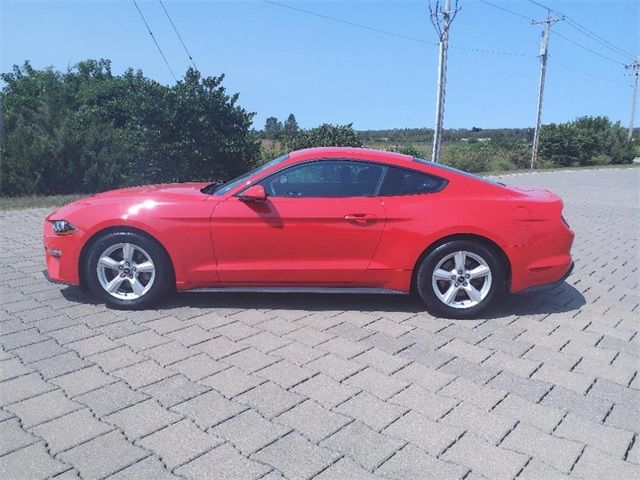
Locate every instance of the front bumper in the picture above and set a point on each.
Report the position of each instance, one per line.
(61, 255)
(50, 279)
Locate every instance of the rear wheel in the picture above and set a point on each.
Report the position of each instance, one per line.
(128, 270)
(460, 279)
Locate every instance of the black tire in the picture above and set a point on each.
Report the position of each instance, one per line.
(163, 278)
(424, 280)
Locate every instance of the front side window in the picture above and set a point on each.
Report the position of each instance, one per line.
(215, 189)
(326, 178)
(399, 181)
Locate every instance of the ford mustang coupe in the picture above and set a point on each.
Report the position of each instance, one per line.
(322, 219)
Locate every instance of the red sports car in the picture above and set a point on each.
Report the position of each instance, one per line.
(323, 219)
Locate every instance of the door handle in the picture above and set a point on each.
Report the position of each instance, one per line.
(360, 218)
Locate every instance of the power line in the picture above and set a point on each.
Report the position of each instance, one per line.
(506, 10)
(598, 39)
(154, 40)
(589, 33)
(352, 24)
(392, 34)
(175, 29)
(566, 67)
(579, 45)
(491, 52)
(457, 47)
(575, 25)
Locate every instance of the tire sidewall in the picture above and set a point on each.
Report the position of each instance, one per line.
(163, 272)
(425, 271)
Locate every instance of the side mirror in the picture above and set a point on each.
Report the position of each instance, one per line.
(255, 193)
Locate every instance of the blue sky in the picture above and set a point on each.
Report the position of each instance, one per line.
(283, 61)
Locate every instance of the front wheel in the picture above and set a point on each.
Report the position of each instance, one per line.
(128, 270)
(460, 279)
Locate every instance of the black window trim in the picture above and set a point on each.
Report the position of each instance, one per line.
(376, 193)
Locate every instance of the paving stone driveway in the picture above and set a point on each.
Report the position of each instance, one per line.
(330, 387)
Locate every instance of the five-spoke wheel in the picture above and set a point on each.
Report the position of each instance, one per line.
(128, 270)
(459, 279)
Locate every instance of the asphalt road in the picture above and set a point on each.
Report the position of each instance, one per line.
(331, 387)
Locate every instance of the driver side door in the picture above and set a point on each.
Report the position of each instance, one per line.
(319, 225)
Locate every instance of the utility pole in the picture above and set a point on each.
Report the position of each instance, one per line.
(636, 74)
(441, 19)
(544, 51)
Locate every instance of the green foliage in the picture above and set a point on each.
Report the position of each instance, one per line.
(600, 159)
(290, 128)
(88, 130)
(582, 142)
(409, 150)
(500, 153)
(414, 136)
(270, 151)
(272, 129)
(325, 135)
(585, 141)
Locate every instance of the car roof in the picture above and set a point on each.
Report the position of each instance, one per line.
(390, 158)
(355, 153)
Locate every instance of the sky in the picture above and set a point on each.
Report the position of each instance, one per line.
(284, 61)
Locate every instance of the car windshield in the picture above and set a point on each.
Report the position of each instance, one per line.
(217, 189)
(456, 170)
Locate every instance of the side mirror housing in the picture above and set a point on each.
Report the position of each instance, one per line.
(255, 193)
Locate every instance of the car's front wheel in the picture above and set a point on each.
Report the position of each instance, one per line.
(460, 279)
(128, 270)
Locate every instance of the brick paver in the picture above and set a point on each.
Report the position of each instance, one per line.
(303, 386)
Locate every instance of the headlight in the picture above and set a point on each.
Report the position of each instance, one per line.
(62, 227)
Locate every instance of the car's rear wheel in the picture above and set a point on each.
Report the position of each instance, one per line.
(460, 279)
(128, 270)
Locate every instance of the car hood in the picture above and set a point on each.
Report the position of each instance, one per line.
(143, 196)
(155, 191)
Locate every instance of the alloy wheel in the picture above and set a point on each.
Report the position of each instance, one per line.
(126, 271)
(461, 279)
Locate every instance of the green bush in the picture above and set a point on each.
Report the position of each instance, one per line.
(600, 159)
(585, 140)
(88, 130)
(410, 150)
(500, 164)
(325, 135)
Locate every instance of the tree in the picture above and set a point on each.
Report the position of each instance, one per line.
(585, 141)
(290, 128)
(87, 130)
(273, 128)
(325, 135)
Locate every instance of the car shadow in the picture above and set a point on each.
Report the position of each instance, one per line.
(559, 299)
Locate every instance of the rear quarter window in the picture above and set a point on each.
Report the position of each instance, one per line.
(400, 181)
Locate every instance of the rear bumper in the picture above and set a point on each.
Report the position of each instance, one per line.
(544, 260)
(548, 286)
